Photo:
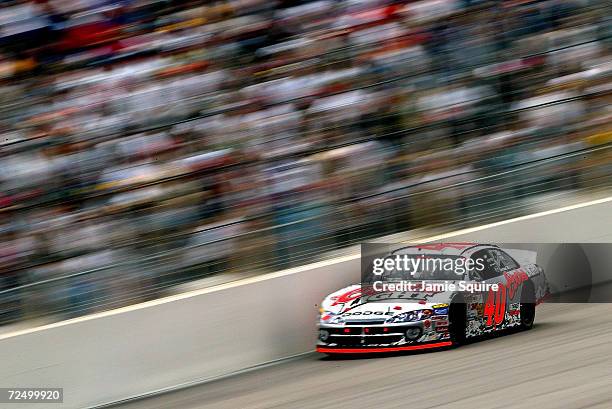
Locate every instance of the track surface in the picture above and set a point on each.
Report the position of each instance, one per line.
(565, 361)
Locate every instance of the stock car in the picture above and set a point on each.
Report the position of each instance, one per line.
(358, 319)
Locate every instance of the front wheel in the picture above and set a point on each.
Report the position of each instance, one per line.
(457, 322)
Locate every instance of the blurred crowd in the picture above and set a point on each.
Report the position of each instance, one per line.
(147, 143)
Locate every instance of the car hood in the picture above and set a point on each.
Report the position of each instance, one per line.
(351, 300)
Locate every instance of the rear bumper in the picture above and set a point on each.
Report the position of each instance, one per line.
(376, 350)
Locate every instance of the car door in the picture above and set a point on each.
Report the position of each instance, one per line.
(514, 277)
(493, 304)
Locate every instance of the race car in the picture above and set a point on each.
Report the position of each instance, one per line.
(495, 292)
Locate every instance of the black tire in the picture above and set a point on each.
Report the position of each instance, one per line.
(527, 306)
(457, 315)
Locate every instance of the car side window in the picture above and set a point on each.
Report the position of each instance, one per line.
(507, 263)
(491, 265)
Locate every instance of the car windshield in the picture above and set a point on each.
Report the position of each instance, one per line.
(398, 267)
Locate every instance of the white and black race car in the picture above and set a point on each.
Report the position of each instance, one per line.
(502, 294)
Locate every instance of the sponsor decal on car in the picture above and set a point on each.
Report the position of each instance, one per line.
(514, 281)
(346, 314)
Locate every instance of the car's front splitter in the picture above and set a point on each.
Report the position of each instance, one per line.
(375, 350)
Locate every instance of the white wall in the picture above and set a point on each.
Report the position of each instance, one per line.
(208, 333)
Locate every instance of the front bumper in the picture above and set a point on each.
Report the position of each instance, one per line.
(367, 337)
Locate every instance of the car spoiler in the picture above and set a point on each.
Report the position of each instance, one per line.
(522, 256)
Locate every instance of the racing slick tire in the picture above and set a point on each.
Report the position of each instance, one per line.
(457, 317)
(527, 306)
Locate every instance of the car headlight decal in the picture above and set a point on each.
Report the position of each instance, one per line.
(337, 320)
(410, 316)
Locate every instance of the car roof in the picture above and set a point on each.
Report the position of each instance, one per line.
(443, 248)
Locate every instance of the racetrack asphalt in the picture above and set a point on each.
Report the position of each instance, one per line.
(565, 361)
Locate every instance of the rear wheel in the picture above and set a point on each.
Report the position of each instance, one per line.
(457, 321)
(527, 306)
